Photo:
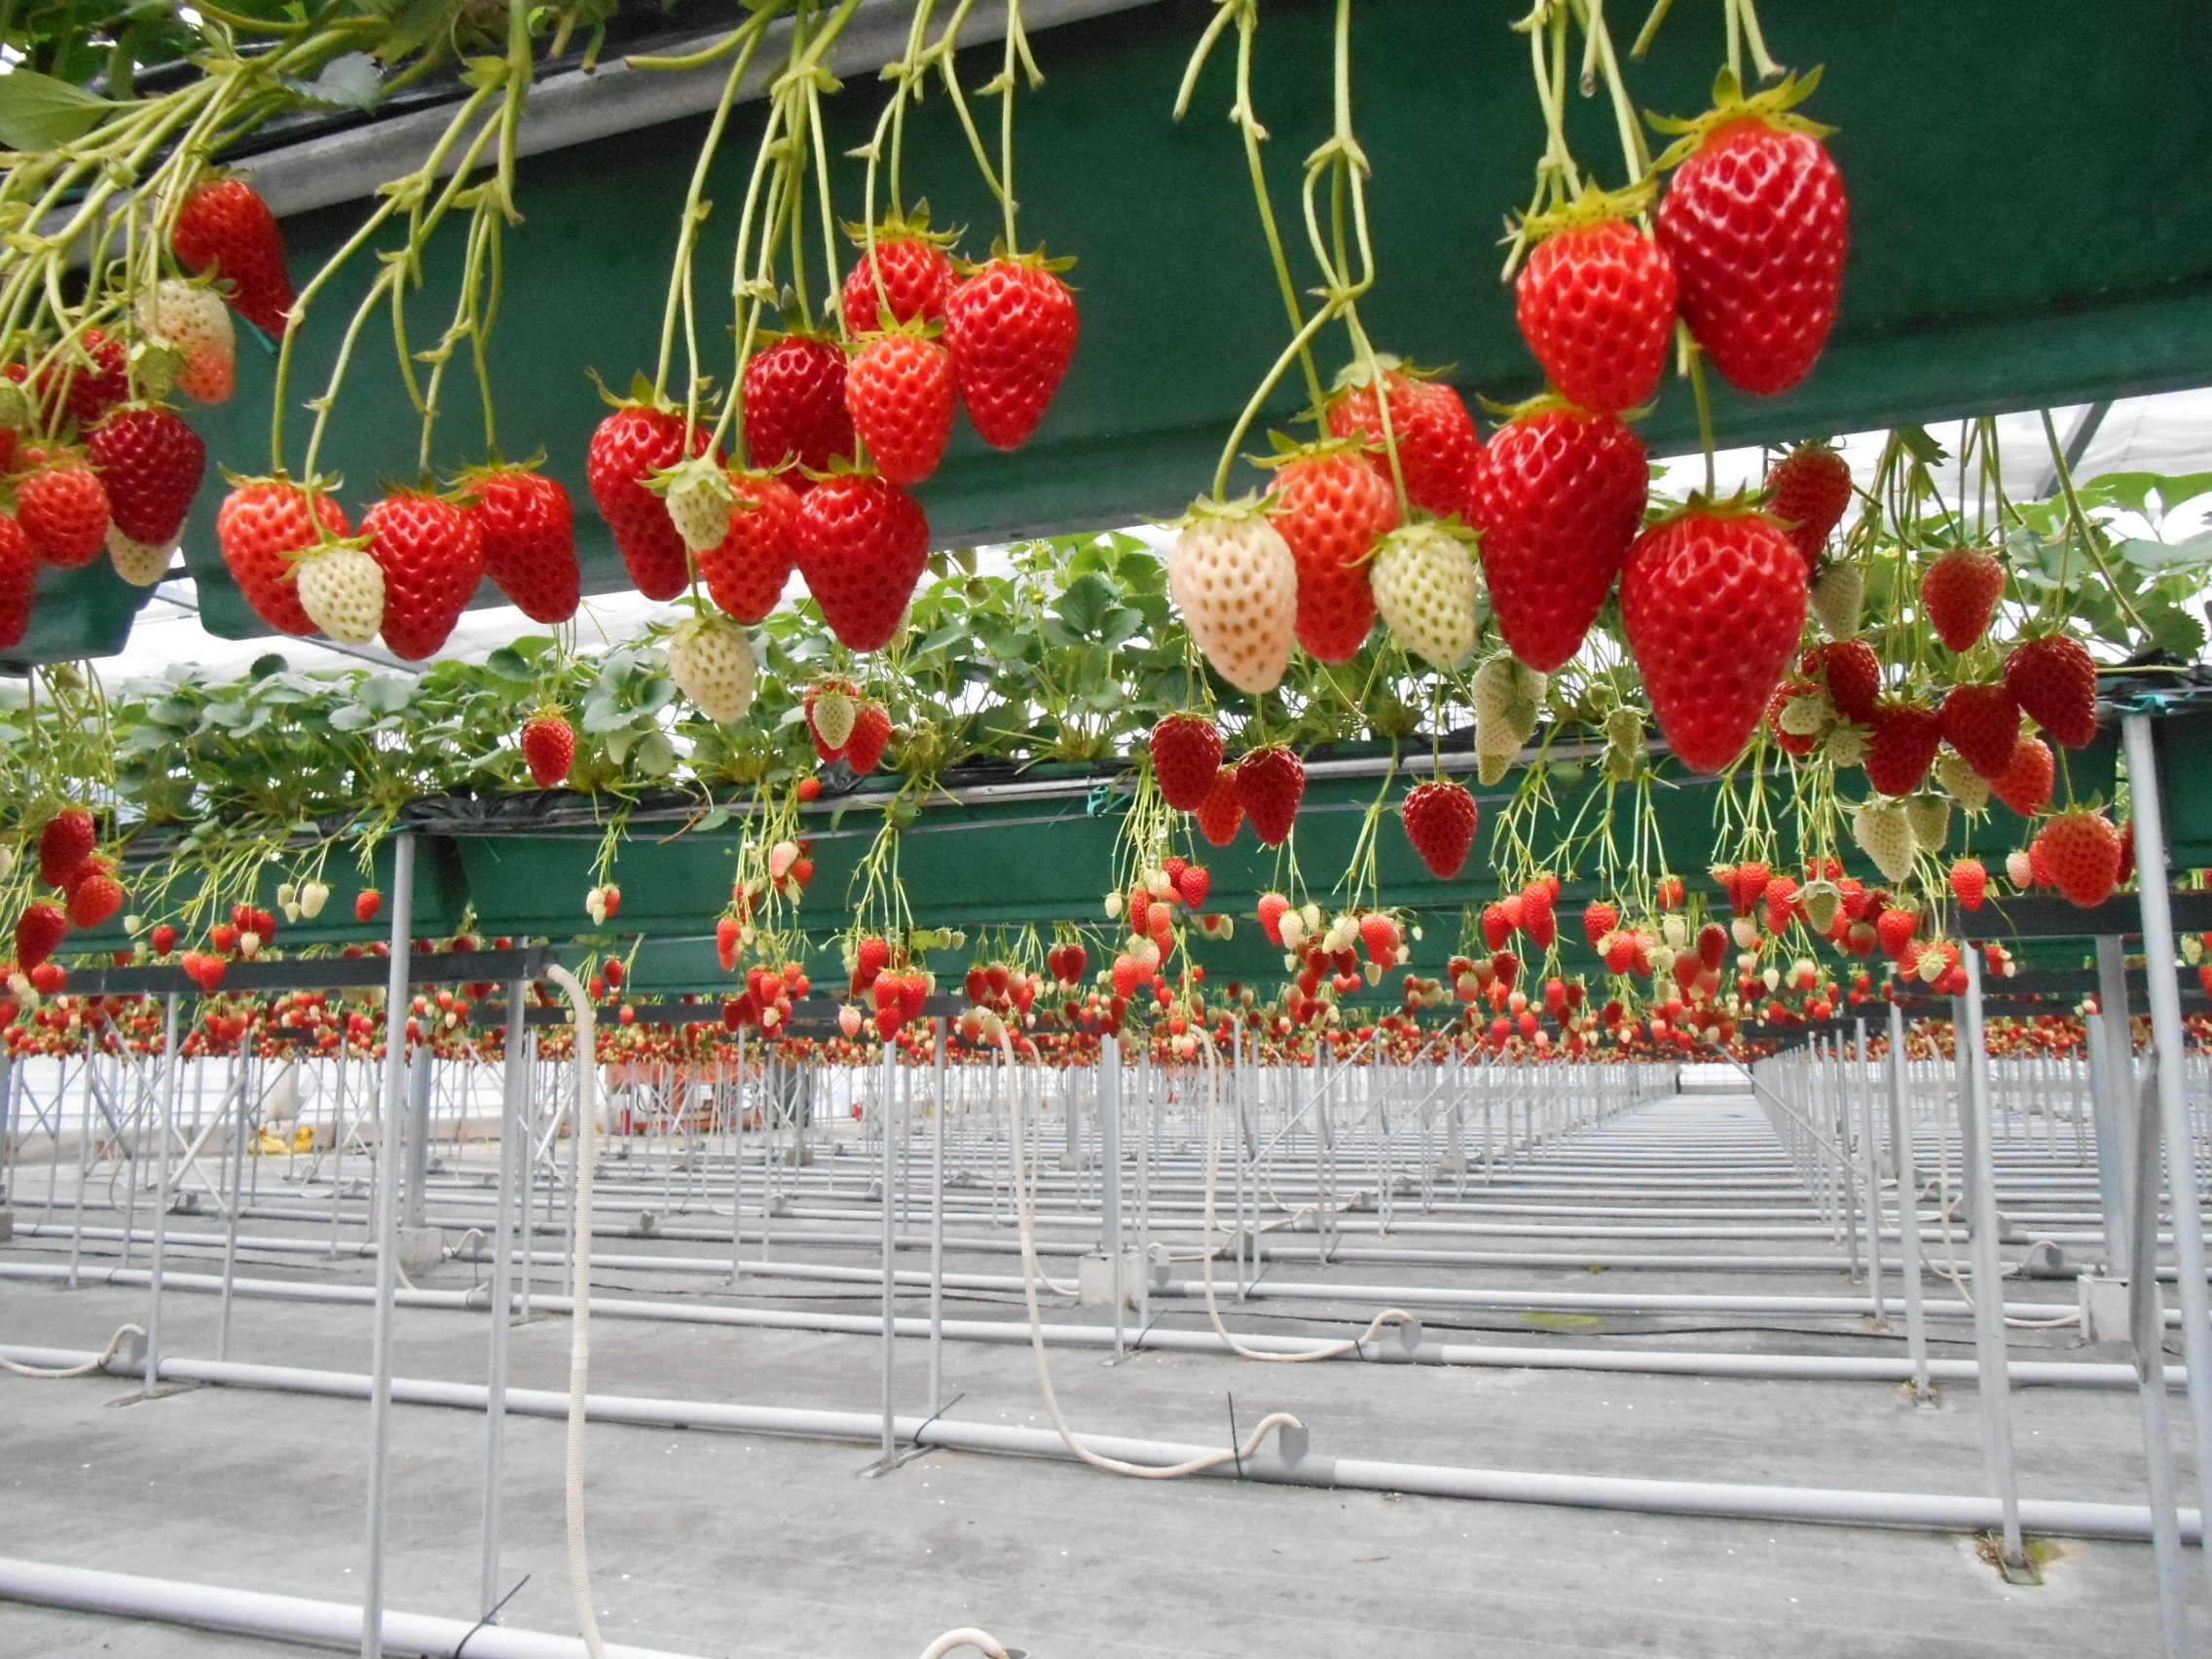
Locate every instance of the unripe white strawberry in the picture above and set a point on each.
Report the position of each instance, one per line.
(1838, 595)
(1235, 580)
(1845, 744)
(699, 500)
(1805, 716)
(1425, 588)
(342, 591)
(1884, 832)
(1674, 929)
(835, 713)
(1771, 977)
(711, 661)
(191, 320)
(1822, 900)
(1290, 927)
(1662, 961)
(1744, 931)
(249, 944)
(1961, 782)
(313, 896)
(1929, 815)
(1624, 745)
(1507, 694)
(2019, 869)
(135, 562)
(1934, 964)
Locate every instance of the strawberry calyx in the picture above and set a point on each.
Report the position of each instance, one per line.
(1287, 449)
(1593, 206)
(642, 394)
(1207, 510)
(903, 227)
(919, 326)
(1772, 107)
(464, 482)
(1550, 402)
(698, 469)
(1744, 503)
(1002, 254)
(1357, 374)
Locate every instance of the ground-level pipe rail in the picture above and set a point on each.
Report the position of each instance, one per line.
(1288, 1460)
(284, 1618)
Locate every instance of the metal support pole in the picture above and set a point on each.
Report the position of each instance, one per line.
(238, 1187)
(388, 1238)
(1110, 1154)
(1988, 1271)
(2168, 1042)
(737, 1178)
(1908, 1207)
(2111, 1071)
(937, 1222)
(886, 1111)
(1862, 1088)
(514, 1134)
(173, 1076)
(2146, 1329)
(418, 1133)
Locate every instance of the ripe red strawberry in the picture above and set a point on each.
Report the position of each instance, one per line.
(1557, 497)
(1758, 224)
(432, 556)
(1900, 745)
(1185, 760)
(1012, 330)
(98, 378)
(1331, 507)
(1222, 813)
(18, 582)
(1440, 822)
(917, 279)
(1970, 882)
(39, 933)
(2027, 783)
(226, 227)
(795, 404)
(1854, 676)
(2054, 678)
(2081, 849)
(64, 508)
(1596, 304)
(633, 444)
(1959, 592)
(1714, 604)
(748, 572)
(1270, 781)
(66, 844)
(1808, 489)
(366, 903)
(1436, 437)
(548, 748)
(94, 895)
(898, 391)
(1982, 723)
(262, 521)
(872, 730)
(151, 463)
(861, 543)
(1895, 927)
(529, 526)
(162, 938)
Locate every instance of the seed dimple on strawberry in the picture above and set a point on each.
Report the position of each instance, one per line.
(747, 574)
(1596, 304)
(432, 556)
(1436, 438)
(529, 526)
(1331, 508)
(861, 543)
(795, 404)
(261, 522)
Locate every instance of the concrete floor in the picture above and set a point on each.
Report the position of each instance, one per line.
(717, 1544)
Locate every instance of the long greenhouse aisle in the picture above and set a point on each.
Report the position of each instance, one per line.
(715, 1543)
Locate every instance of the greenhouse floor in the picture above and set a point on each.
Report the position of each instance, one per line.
(713, 1543)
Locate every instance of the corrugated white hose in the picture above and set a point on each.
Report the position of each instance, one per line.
(1030, 1273)
(579, 1327)
(1334, 1351)
(114, 1343)
(965, 1637)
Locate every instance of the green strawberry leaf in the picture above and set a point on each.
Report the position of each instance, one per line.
(38, 112)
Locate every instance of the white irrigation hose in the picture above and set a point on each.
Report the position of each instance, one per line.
(579, 1328)
(1334, 1351)
(1029, 1277)
(114, 1343)
(1950, 1268)
(965, 1637)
